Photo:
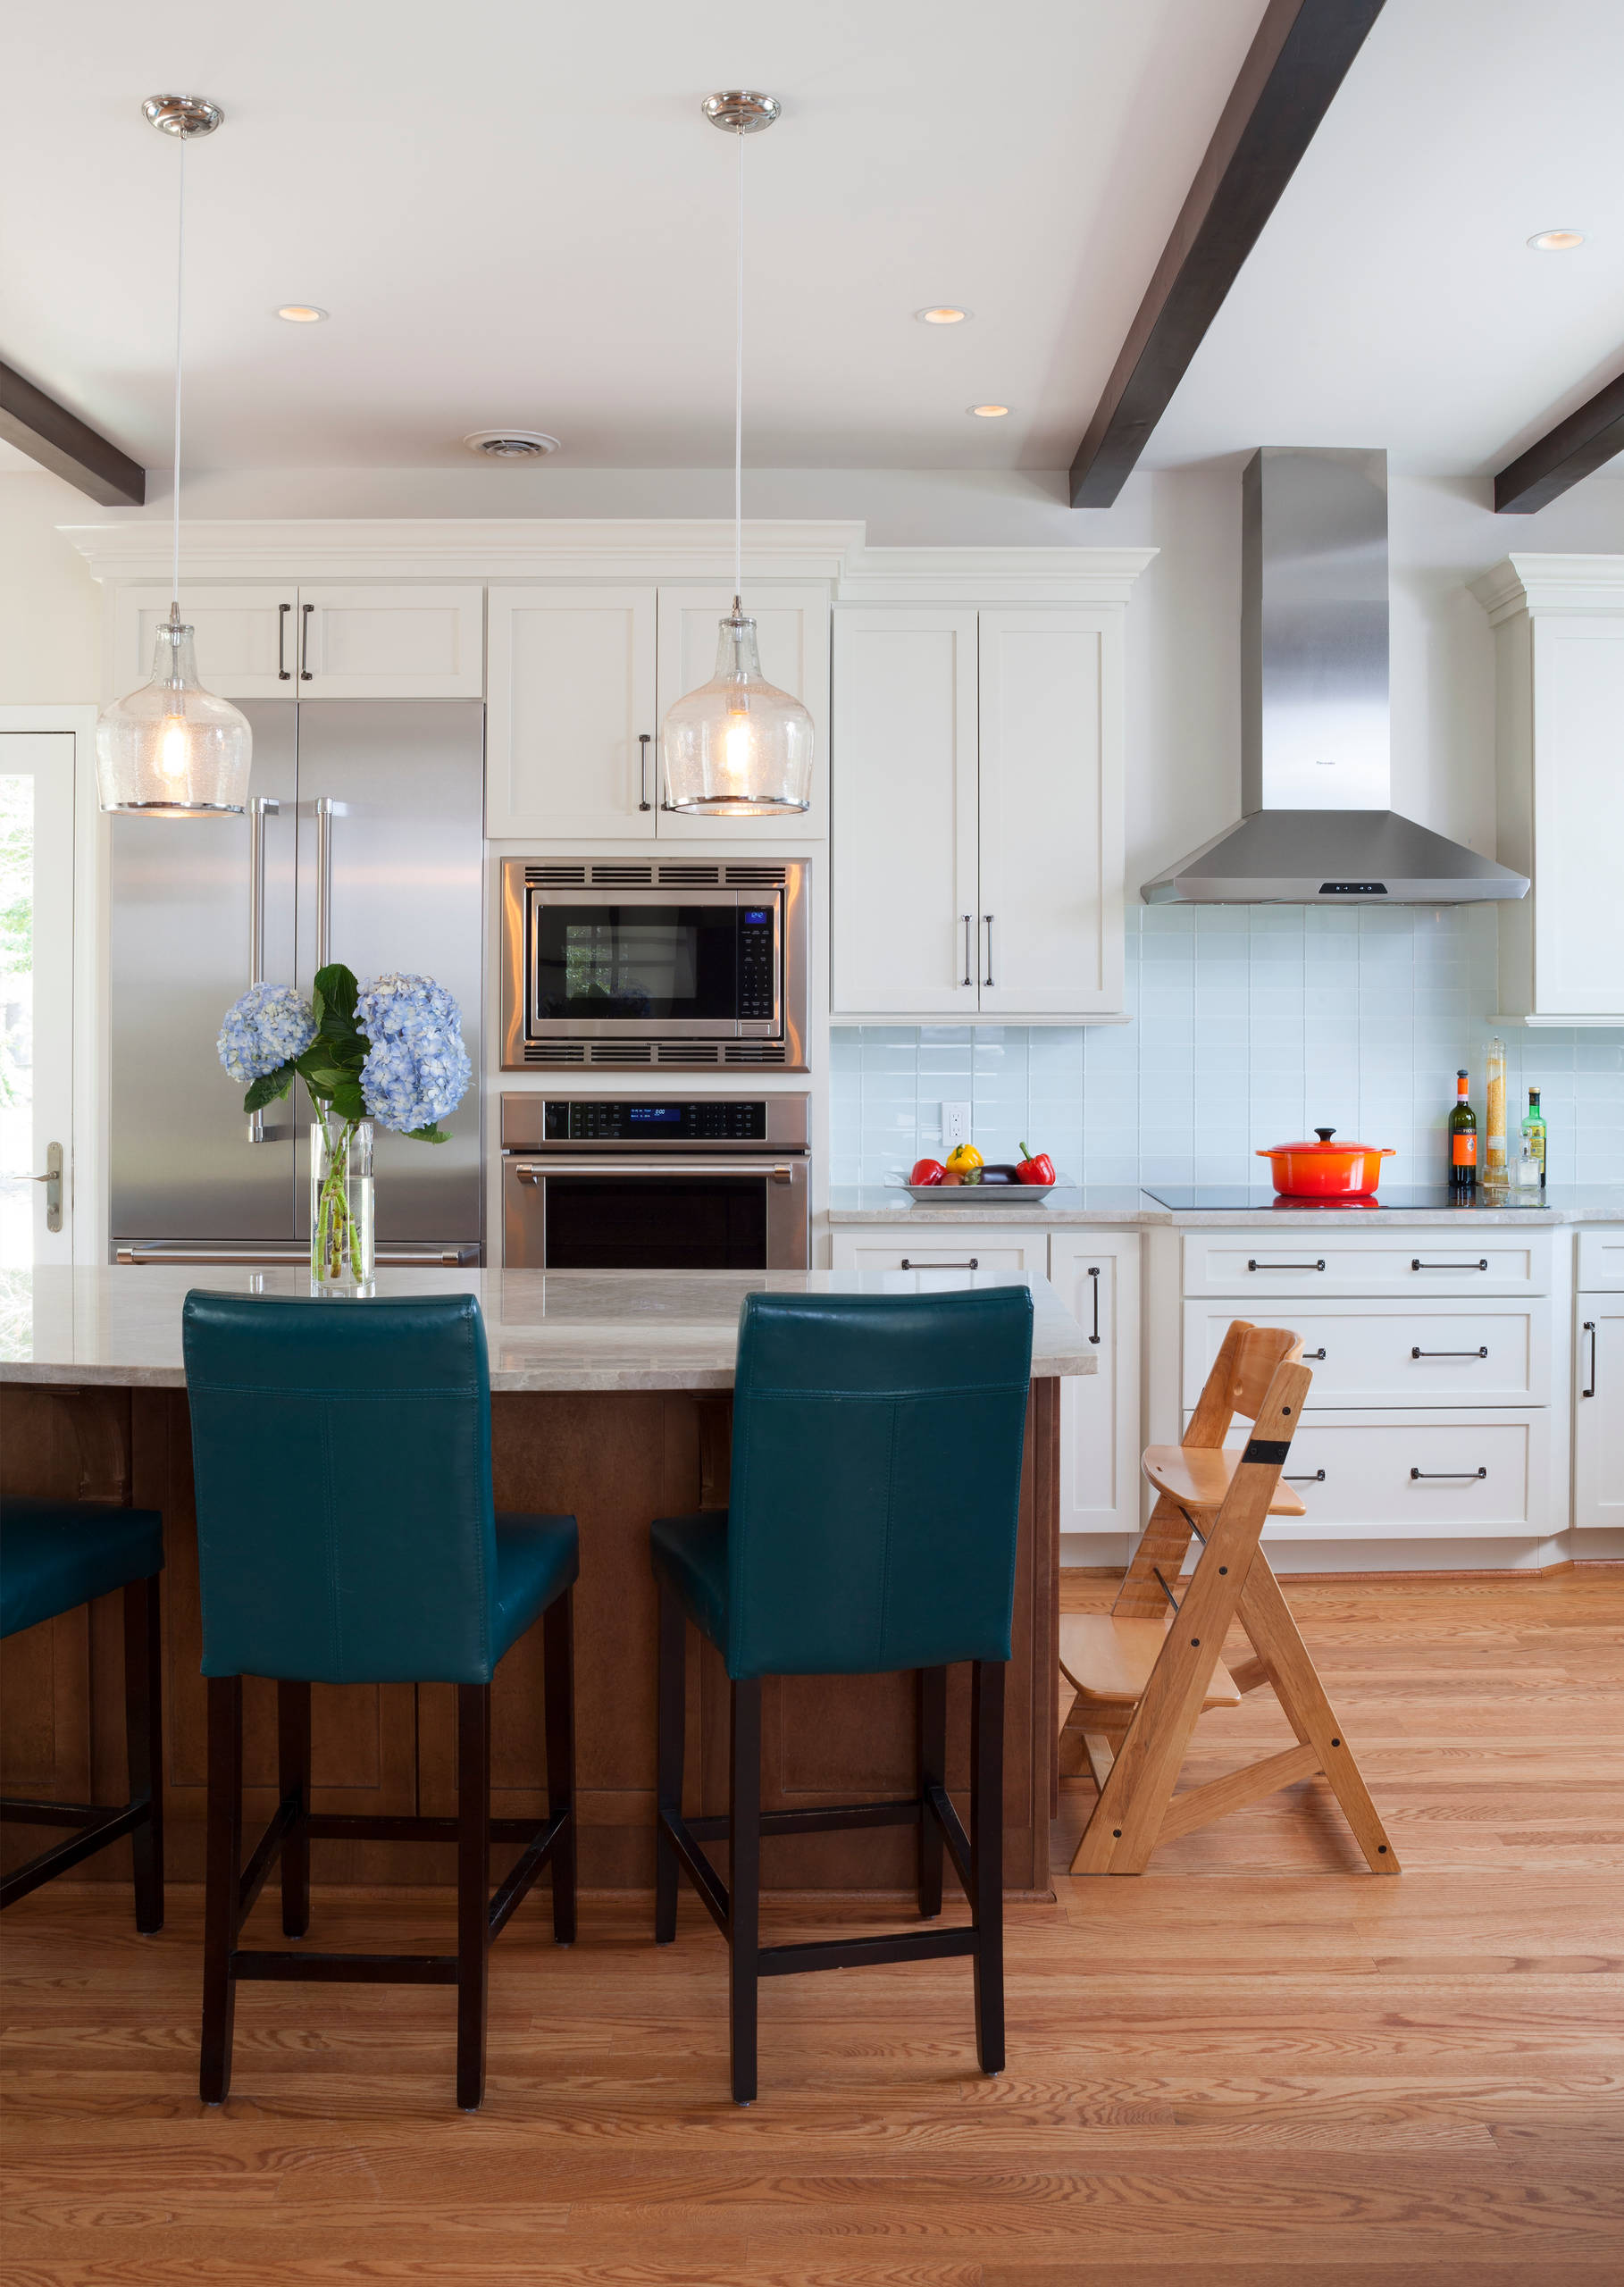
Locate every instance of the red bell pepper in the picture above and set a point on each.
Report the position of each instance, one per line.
(1034, 1166)
(927, 1171)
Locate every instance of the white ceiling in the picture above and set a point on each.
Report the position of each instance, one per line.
(517, 214)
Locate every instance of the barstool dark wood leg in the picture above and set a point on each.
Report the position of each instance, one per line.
(223, 1872)
(672, 1709)
(293, 1778)
(473, 1888)
(143, 1742)
(932, 1772)
(744, 1886)
(559, 1652)
(987, 1856)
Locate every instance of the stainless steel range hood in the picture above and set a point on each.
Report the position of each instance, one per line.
(1315, 762)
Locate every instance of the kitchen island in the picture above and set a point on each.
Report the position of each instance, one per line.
(611, 1402)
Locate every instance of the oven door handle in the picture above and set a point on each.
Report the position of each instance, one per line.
(775, 1170)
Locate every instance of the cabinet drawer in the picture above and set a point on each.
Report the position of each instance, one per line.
(1022, 1253)
(1370, 1492)
(1261, 1265)
(1370, 1348)
(1601, 1261)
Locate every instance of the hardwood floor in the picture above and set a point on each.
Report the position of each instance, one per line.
(1253, 2065)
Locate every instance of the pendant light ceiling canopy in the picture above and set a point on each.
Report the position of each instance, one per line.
(738, 747)
(172, 750)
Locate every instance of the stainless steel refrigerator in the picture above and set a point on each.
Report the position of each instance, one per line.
(364, 844)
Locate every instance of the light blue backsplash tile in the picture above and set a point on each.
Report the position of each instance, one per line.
(1253, 1024)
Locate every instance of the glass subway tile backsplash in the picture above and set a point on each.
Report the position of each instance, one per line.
(1251, 1025)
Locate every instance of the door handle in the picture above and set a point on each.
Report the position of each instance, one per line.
(1448, 1473)
(305, 612)
(969, 979)
(1589, 1390)
(1481, 1351)
(987, 919)
(260, 808)
(1095, 1275)
(643, 738)
(973, 1264)
(537, 1170)
(284, 672)
(325, 810)
(51, 1180)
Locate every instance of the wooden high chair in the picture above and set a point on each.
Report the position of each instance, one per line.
(1141, 1673)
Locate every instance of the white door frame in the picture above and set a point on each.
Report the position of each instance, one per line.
(88, 1162)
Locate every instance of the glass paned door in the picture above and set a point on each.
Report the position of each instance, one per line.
(36, 999)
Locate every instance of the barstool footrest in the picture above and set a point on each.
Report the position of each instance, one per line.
(700, 1871)
(98, 1826)
(859, 1953)
(347, 1969)
(713, 1828)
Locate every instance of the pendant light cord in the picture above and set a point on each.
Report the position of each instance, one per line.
(175, 472)
(738, 396)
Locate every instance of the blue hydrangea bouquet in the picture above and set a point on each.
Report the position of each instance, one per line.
(391, 1051)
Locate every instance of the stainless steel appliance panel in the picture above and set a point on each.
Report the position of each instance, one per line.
(183, 1164)
(655, 1214)
(390, 833)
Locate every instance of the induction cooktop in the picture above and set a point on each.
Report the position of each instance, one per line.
(1249, 1199)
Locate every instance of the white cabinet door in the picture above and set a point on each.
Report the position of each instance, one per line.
(1578, 815)
(1096, 1275)
(1598, 1413)
(902, 863)
(1403, 1352)
(571, 693)
(246, 637)
(1601, 1261)
(932, 1259)
(394, 642)
(1049, 919)
(792, 636)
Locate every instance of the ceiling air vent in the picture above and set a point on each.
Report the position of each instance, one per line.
(512, 444)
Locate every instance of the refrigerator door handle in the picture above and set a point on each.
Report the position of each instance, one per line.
(326, 810)
(260, 808)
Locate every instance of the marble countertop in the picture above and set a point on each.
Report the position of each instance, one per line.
(1124, 1207)
(547, 1330)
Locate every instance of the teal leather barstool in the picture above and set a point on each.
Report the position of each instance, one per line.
(347, 1534)
(55, 1555)
(871, 1525)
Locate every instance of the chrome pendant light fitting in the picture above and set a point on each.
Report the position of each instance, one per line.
(738, 747)
(172, 750)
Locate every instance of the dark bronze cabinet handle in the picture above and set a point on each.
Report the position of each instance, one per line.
(1319, 1354)
(1094, 1274)
(1318, 1265)
(1480, 1351)
(987, 917)
(967, 977)
(1417, 1264)
(1589, 1390)
(973, 1264)
(305, 612)
(1313, 1476)
(643, 738)
(284, 672)
(1448, 1473)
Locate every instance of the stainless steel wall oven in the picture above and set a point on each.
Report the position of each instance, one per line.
(662, 964)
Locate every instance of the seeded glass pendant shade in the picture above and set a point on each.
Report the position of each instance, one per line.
(172, 750)
(738, 747)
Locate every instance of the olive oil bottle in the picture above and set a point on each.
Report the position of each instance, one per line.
(1462, 1143)
(1534, 1135)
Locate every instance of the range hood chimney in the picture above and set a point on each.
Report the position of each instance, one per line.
(1316, 768)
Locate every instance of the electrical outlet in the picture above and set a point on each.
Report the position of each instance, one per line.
(955, 1125)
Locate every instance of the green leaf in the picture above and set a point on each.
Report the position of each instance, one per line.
(324, 1076)
(268, 1088)
(338, 988)
(430, 1134)
(348, 1101)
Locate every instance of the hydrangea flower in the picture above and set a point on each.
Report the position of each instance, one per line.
(417, 1069)
(268, 1027)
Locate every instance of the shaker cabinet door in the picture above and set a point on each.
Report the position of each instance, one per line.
(393, 642)
(792, 636)
(571, 742)
(1579, 815)
(247, 639)
(1096, 1276)
(1598, 1413)
(1050, 915)
(902, 859)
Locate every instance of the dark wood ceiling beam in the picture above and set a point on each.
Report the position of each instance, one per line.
(1297, 60)
(1573, 448)
(59, 440)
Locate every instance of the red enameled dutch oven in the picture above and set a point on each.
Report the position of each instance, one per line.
(1326, 1170)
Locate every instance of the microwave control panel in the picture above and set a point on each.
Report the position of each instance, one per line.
(594, 1119)
(758, 981)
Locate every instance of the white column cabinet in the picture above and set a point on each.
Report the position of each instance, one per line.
(792, 637)
(570, 745)
(976, 844)
(1598, 1411)
(397, 641)
(1096, 1275)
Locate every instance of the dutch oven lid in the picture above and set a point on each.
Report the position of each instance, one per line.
(1325, 1145)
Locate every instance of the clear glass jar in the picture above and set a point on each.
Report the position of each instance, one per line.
(342, 1246)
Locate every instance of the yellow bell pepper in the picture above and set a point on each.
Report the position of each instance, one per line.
(963, 1158)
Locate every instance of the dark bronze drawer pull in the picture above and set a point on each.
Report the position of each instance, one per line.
(1480, 1351)
(1417, 1264)
(1448, 1472)
(1094, 1274)
(973, 1264)
(1319, 1354)
(1589, 1389)
(1287, 1265)
(1313, 1476)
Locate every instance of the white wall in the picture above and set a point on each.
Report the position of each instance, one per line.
(50, 608)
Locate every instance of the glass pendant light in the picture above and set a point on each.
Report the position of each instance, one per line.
(172, 750)
(738, 748)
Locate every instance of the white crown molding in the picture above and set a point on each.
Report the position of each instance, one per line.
(1551, 583)
(135, 548)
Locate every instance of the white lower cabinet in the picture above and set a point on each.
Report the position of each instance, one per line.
(1022, 1253)
(1369, 1353)
(1422, 1475)
(1598, 1411)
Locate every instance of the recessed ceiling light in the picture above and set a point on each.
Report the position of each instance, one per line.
(301, 313)
(1556, 241)
(942, 314)
(988, 412)
(512, 444)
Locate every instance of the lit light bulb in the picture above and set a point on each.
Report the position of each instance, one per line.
(174, 746)
(740, 751)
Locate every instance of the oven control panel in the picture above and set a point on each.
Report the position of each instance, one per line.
(595, 1120)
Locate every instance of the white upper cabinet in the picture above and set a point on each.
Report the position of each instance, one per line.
(1050, 813)
(1559, 635)
(903, 880)
(976, 856)
(572, 740)
(792, 636)
(327, 642)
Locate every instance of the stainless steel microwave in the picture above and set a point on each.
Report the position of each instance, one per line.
(672, 964)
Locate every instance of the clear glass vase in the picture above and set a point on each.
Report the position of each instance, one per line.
(342, 1253)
